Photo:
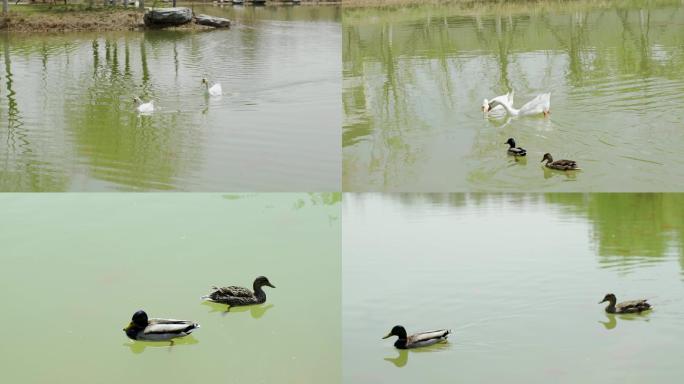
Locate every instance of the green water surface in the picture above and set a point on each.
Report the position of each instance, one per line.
(68, 121)
(517, 278)
(414, 79)
(76, 266)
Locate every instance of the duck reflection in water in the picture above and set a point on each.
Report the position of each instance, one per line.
(569, 175)
(138, 347)
(256, 311)
(613, 322)
(402, 359)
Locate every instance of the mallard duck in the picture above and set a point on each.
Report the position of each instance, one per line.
(634, 306)
(513, 150)
(540, 104)
(507, 99)
(214, 90)
(563, 165)
(143, 107)
(142, 328)
(237, 296)
(417, 340)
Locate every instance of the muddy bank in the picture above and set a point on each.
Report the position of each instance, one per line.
(80, 20)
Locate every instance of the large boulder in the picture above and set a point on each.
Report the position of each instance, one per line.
(167, 17)
(212, 21)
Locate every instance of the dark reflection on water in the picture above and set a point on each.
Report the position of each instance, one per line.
(402, 358)
(256, 311)
(414, 79)
(629, 230)
(612, 319)
(69, 121)
(138, 347)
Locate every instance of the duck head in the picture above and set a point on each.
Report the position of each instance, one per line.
(205, 81)
(608, 297)
(547, 157)
(138, 321)
(398, 331)
(510, 142)
(137, 100)
(262, 281)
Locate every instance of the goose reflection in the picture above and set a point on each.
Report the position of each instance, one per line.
(402, 358)
(256, 311)
(138, 347)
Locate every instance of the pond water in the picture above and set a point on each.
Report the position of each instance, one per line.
(76, 266)
(68, 121)
(517, 278)
(414, 80)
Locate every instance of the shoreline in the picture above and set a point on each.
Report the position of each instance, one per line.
(29, 18)
(472, 4)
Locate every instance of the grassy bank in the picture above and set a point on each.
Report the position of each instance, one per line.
(470, 4)
(393, 3)
(81, 17)
(47, 18)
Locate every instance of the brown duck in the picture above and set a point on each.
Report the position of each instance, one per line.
(561, 165)
(633, 306)
(238, 296)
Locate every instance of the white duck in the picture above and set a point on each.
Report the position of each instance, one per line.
(540, 104)
(498, 109)
(144, 107)
(214, 90)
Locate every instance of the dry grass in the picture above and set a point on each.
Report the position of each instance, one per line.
(105, 20)
(469, 4)
(393, 3)
(41, 18)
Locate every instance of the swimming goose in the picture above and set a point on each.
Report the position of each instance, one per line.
(143, 107)
(540, 104)
(214, 90)
(498, 109)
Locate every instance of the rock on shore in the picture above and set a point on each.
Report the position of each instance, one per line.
(217, 22)
(168, 17)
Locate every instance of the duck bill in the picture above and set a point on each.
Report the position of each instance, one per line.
(270, 285)
(387, 335)
(130, 325)
(602, 301)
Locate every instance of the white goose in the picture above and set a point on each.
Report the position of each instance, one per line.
(144, 107)
(214, 90)
(498, 109)
(540, 104)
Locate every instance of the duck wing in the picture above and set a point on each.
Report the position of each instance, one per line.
(424, 339)
(633, 306)
(233, 296)
(165, 329)
(233, 291)
(565, 164)
(517, 151)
